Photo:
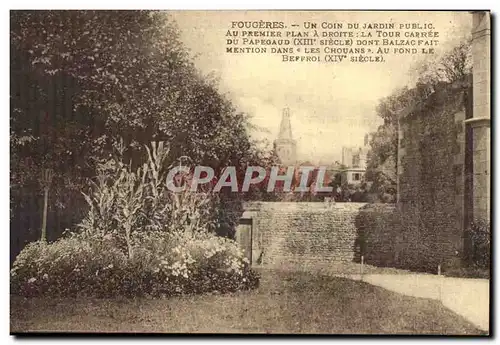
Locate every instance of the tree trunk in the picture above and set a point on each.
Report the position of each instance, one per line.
(44, 217)
(129, 244)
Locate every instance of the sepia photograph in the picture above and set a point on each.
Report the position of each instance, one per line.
(270, 172)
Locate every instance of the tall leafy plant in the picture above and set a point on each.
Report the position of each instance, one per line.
(125, 203)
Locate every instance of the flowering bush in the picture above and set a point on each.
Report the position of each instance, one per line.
(162, 265)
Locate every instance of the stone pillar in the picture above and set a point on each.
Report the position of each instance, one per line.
(480, 121)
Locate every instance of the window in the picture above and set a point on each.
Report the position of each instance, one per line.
(356, 176)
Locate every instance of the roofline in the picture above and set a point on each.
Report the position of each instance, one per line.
(353, 169)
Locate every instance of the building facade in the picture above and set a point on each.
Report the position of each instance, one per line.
(354, 160)
(353, 176)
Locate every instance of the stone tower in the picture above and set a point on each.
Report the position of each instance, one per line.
(347, 156)
(480, 121)
(285, 146)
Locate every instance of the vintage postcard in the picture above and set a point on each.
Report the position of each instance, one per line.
(276, 172)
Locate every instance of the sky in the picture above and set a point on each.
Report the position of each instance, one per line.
(331, 105)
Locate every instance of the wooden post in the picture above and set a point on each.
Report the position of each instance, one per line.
(362, 263)
(440, 282)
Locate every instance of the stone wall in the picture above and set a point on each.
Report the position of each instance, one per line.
(432, 175)
(425, 230)
(315, 233)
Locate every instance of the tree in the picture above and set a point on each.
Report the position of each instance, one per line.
(382, 157)
(82, 80)
(135, 78)
(453, 66)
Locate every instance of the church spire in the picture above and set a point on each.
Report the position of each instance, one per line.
(284, 145)
(285, 132)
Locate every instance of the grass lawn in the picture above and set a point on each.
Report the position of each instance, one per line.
(285, 302)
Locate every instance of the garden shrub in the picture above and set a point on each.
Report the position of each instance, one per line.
(162, 265)
(137, 238)
(478, 237)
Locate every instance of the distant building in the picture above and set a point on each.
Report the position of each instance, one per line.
(354, 159)
(285, 146)
(352, 176)
(347, 156)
